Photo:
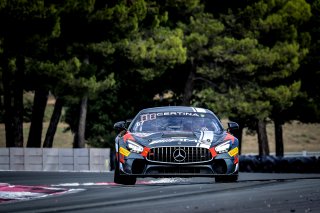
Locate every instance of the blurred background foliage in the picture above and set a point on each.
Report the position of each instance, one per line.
(250, 61)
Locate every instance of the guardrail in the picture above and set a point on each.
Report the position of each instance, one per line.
(55, 159)
(99, 160)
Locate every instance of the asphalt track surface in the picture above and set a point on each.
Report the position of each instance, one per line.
(96, 192)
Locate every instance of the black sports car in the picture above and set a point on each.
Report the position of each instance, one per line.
(175, 141)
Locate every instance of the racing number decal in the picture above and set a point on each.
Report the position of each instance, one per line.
(233, 152)
(147, 117)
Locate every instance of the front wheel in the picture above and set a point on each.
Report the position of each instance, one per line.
(226, 178)
(122, 178)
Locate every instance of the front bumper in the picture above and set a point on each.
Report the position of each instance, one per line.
(137, 165)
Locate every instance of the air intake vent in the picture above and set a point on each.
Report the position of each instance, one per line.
(179, 155)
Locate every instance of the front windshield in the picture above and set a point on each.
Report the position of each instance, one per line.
(189, 122)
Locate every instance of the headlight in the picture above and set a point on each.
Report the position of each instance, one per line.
(134, 147)
(224, 147)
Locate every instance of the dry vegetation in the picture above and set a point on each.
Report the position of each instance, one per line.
(297, 137)
(61, 140)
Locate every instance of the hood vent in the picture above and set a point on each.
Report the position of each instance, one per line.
(179, 134)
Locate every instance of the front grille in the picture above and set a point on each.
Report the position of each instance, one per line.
(180, 155)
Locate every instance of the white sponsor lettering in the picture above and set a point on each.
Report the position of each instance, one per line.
(206, 136)
(205, 140)
(203, 145)
(178, 114)
(200, 110)
(142, 135)
(152, 116)
(168, 140)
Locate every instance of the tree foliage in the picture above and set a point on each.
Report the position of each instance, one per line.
(251, 61)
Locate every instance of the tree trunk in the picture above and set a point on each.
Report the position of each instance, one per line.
(8, 114)
(278, 137)
(76, 140)
(39, 106)
(1, 104)
(188, 89)
(79, 141)
(18, 103)
(263, 138)
(55, 117)
(238, 134)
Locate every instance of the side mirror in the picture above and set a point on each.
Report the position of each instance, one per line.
(119, 126)
(232, 126)
(128, 121)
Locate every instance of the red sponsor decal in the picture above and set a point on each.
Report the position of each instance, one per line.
(236, 159)
(229, 137)
(121, 158)
(128, 136)
(213, 152)
(145, 151)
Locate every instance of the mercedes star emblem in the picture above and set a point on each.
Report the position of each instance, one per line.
(179, 155)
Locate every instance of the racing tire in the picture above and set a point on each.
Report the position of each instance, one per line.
(226, 178)
(122, 178)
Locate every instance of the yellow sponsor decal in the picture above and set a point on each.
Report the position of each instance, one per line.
(124, 152)
(233, 152)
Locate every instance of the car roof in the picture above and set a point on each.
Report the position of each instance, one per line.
(176, 109)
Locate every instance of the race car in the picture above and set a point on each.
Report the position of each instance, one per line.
(175, 141)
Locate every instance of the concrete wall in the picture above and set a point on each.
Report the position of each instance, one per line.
(55, 159)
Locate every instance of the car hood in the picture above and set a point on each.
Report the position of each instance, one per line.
(204, 139)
